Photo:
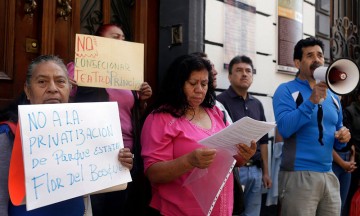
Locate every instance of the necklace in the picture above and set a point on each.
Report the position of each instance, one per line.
(194, 116)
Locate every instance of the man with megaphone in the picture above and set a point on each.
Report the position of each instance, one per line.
(309, 117)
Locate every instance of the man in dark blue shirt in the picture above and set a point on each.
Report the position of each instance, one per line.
(239, 103)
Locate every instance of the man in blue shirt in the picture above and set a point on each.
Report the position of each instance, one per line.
(239, 103)
(309, 118)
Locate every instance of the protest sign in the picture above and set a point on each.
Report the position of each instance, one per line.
(70, 150)
(108, 63)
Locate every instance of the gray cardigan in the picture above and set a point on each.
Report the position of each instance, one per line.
(6, 145)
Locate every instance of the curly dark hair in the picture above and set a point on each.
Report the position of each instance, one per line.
(172, 98)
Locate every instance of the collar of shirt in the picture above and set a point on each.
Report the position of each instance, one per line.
(233, 94)
(303, 82)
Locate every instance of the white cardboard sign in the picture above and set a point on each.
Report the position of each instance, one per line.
(70, 150)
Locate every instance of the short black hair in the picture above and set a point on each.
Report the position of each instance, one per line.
(240, 59)
(200, 54)
(307, 42)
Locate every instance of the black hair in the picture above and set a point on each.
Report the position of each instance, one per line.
(200, 54)
(240, 59)
(307, 42)
(171, 98)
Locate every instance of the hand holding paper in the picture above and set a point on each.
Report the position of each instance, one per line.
(244, 153)
(242, 131)
(202, 157)
(125, 157)
(238, 140)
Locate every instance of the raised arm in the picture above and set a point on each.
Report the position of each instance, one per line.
(290, 118)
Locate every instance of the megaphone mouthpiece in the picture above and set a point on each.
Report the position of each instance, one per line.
(336, 75)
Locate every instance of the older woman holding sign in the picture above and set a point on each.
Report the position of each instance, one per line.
(47, 82)
(183, 115)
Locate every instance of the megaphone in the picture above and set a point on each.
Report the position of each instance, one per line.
(342, 76)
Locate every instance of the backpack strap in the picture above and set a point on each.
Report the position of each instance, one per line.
(11, 125)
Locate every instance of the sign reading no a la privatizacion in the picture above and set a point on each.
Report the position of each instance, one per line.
(108, 63)
(70, 150)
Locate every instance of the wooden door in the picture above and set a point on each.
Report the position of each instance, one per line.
(29, 28)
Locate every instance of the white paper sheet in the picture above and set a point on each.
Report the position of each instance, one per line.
(242, 131)
(215, 176)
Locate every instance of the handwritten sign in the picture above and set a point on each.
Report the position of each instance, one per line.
(108, 63)
(70, 150)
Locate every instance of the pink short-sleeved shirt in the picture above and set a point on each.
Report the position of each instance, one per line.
(125, 100)
(165, 138)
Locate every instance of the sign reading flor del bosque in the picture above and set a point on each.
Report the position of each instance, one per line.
(70, 150)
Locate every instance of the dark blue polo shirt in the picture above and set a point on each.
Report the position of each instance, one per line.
(238, 108)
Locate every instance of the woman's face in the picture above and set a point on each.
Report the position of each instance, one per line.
(114, 32)
(49, 84)
(196, 86)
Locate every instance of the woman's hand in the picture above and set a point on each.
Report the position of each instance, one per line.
(201, 157)
(244, 153)
(145, 91)
(349, 166)
(72, 82)
(167, 171)
(126, 158)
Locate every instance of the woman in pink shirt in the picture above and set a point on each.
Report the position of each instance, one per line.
(184, 114)
(131, 105)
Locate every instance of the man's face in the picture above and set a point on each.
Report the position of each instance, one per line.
(312, 58)
(214, 74)
(241, 76)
